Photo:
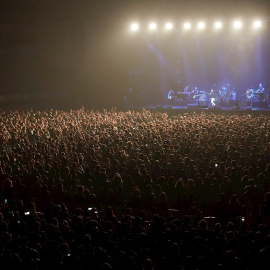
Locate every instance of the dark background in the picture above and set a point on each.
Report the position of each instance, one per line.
(81, 51)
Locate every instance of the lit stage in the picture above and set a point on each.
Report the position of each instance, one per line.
(239, 107)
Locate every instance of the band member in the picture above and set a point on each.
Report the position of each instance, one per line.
(249, 94)
(212, 96)
(267, 94)
(171, 96)
(196, 94)
(261, 88)
(186, 89)
(233, 95)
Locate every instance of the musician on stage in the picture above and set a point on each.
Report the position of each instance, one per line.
(267, 94)
(171, 96)
(249, 94)
(212, 96)
(186, 89)
(261, 88)
(196, 93)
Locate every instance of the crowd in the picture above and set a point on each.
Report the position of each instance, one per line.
(134, 190)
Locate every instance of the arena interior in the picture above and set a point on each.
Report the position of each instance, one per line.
(135, 135)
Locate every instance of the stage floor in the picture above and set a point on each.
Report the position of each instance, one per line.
(194, 107)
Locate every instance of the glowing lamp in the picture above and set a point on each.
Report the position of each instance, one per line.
(237, 24)
(152, 26)
(168, 26)
(134, 27)
(257, 24)
(201, 25)
(187, 25)
(218, 25)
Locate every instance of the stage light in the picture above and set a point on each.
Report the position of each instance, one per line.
(134, 27)
(201, 25)
(218, 25)
(237, 24)
(152, 26)
(168, 26)
(187, 25)
(257, 24)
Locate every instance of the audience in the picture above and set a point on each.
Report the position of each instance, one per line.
(134, 190)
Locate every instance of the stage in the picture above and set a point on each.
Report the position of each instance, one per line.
(238, 107)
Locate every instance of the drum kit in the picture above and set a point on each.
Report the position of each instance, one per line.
(217, 94)
(193, 94)
(226, 93)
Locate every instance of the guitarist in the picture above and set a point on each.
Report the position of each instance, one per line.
(171, 96)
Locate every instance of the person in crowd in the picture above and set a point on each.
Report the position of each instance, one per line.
(101, 189)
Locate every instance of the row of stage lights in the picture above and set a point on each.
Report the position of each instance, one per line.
(200, 25)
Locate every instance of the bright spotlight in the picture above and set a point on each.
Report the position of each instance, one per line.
(257, 24)
(187, 25)
(134, 27)
(168, 26)
(201, 25)
(237, 24)
(218, 25)
(152, 26)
